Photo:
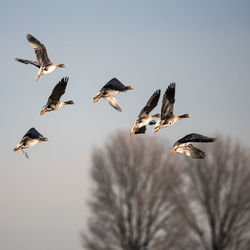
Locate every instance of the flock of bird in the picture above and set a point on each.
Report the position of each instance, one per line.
(108, 92)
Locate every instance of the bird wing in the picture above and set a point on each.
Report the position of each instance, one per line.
(140, 130)
(195, 138)
(114, 84)
(33, 134)
(113, 102)
(58, 90)
(168, 101)
(151, 104)
(40, 50)
(27, 62)
(191, 151)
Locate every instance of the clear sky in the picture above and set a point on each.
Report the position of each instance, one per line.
(203, 46)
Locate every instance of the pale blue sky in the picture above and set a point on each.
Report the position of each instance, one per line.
(204, 46)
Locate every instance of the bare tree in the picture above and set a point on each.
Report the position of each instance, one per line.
(132, 206)
(216, 204)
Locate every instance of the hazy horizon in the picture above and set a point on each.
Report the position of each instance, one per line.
(202, 46)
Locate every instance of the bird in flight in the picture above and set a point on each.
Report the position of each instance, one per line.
(31, 138)
(109, 90)
(42, 60)
(54, 102)
(167, 116)
(144, 118)
(184, 146)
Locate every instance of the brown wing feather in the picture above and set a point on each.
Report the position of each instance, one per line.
(151, 104)
(58, 90)
(28, 62)
(40, 50)
(193, 152)
(168, 101)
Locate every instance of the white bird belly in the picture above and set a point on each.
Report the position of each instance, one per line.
(50, 69)
(30, 143)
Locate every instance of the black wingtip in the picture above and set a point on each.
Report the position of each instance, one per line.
(65, 79)
(28, 36)
(19, 60)
(172, 85)
(210, 139)
(158, 92)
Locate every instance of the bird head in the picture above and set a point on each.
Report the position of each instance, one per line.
(61, 66)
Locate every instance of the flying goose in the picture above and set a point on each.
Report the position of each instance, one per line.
(167, 116)
(42, 60)
(109, 90)
(54, 102)
(144, 118)
(31, 138)
(184, 146)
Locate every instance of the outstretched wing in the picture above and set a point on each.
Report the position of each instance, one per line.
(40, 50)
(168, 101)
(191, 151)
(27, 62)
(151, 104)
(58, 90)
(140, 130)
(113, 102)
(114, 84)
(195, 138)
(34, 134)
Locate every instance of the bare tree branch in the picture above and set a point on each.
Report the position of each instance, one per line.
(133, 205)
(219, 188)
